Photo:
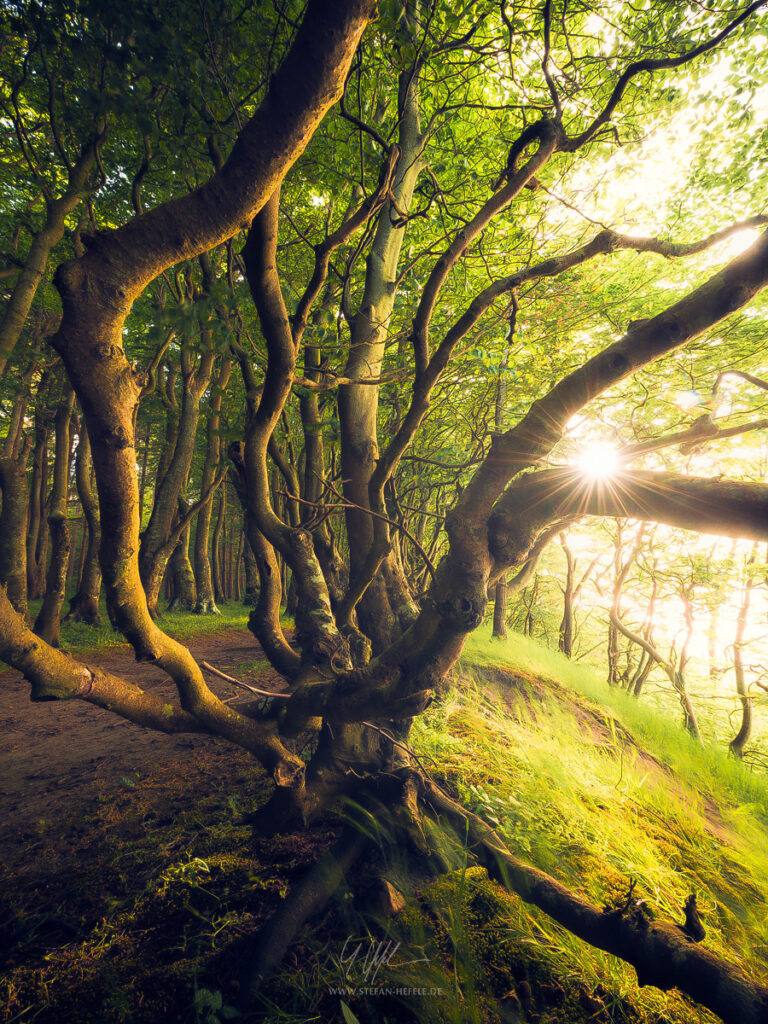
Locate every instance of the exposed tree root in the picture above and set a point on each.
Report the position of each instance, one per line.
(307, 898)
(663, 954)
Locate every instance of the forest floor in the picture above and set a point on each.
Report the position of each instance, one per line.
(59, 758)
(130, 886)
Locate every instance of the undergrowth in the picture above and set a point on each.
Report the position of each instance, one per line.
(580, 780)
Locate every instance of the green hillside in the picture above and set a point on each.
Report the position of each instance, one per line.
(598, 790)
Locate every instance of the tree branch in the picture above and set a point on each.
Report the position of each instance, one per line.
(651, 65)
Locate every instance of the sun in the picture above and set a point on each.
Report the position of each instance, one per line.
(599, 461)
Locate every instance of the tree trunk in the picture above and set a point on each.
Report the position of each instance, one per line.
(238, 562)
(13, 531)
(206, 602)
(37, 498)
(84, 606)
(182, 575)
(565, 638)
(216, 546)
(251, 595)
(48, 622)
(153, 552)
(740, 740)
(500, 610)
(385, 607)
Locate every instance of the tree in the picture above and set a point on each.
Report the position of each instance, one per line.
(434, 227)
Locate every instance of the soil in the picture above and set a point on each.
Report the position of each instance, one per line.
(129, 877)
(59, 760)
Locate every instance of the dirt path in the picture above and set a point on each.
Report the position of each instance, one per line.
(59, 759)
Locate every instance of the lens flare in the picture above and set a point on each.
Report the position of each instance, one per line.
(688, 399)
(598, 462)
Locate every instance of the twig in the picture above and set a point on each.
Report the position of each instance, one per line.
(403, 746)
(245, 686)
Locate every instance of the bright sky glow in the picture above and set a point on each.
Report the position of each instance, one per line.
(640, 183)
(688, 399)
(599, 461)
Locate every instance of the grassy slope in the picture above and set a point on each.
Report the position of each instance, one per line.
(597, 789)
(587, 784)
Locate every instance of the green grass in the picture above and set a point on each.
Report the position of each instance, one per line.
(78, 636)
(706, 766)
(597, 789)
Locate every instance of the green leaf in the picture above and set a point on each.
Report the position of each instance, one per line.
(349, 1017)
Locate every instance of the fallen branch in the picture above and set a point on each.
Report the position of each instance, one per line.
(242, 685)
